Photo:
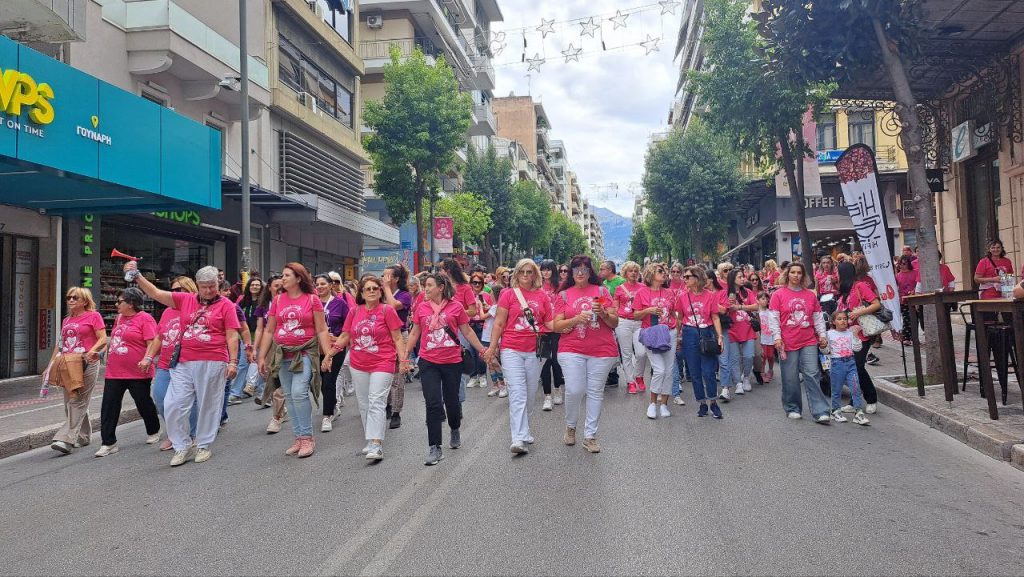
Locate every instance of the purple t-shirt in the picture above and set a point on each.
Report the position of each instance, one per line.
(406, 299)
(335, 312)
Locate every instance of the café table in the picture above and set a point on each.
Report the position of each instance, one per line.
(1013, 308)
(947, 357)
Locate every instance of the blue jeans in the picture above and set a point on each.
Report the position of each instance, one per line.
(677, 371)
(295, 387)
(844, 372)
(723, 360)
(702, 368)
(161, 381)
(739, 359)
(803, 362)
(238, 383)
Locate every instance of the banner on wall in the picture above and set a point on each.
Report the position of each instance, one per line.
(858, 177)
(444, 235)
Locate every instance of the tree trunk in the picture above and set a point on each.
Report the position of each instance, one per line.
(421, 237)
(698, 244)
(798, 201)
(924, 198)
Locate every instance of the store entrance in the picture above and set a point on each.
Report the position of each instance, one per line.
(983, 198)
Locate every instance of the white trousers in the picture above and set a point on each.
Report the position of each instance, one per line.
(584, 376)
(372, 395)
(202, 383)
(522, 376)
(633, 364)
(661, 368)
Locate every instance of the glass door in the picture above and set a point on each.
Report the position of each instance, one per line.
(983, 198)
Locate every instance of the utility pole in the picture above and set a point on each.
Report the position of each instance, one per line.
(246, 207)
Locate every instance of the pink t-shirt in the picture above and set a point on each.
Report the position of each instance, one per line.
(295, 323)
(987, 269)
(373, 349)
(593, 339)
(741, 330)
(205, 327)
(861, 295)
(437, 345)
(487, 299)
(947, 278)
(465, 296)
(796, 316)
(624, 298)
(170, 330)
(826, 283)
(78, 334)
(906, 281)
(663, 299)
(127, 346)
(698, 310)
(677, 286)
(518, 335)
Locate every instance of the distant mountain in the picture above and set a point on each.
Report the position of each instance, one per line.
(617, 229)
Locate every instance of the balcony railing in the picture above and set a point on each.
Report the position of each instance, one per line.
(378, 49)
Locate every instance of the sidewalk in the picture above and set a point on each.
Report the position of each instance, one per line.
(966, 418)
(28, 421)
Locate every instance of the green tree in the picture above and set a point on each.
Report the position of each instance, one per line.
(638, 246)
(419, 124)
(529, 218)
(692, 178)
(471, 217)
(760, 108)
(565, 239)
(490, 177)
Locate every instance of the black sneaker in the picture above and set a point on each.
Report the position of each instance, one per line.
(716, 412)
(703, 410)
(456, 440)
(396, 421)
(872, 359)
(434, 455)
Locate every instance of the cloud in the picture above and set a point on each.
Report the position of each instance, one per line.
(604, 107)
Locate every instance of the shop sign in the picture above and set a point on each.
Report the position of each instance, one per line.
(962, 144)
(824, 202)
(88, 242)
(829, 156)
(20, 90)
(376, 260)
(184, 216)
(936, 183)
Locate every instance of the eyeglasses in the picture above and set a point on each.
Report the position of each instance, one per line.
(72, 298)
(580, 270)
(477, 283)
(689, 276)
(371, 289)
(563, 271)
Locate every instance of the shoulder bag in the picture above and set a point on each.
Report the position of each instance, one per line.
(468, 363)
(547, 343)
(872, 324)
(709, 346)
(657, 337)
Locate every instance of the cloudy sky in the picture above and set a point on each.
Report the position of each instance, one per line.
(606, 106)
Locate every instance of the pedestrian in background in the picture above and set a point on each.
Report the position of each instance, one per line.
(484, 301)
(395, 282)
(739, 353)
(611, 282)
(170, 333)
(858, 296)
(655, 304)
(551, 377)
(698, 308)
(634, 356)
(335, 311)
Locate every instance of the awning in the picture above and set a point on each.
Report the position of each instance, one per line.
(756, 237)
(332, 213)
(268, 200)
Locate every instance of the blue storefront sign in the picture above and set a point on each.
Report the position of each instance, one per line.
(829, 156)
(374, 261)
(72, 143)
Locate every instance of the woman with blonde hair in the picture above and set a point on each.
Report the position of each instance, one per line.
(81, 332)
(656, 304)
(634, 356)
(770, 273)
(169, 328)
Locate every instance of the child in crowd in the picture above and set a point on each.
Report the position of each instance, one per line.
(842, 344)
(767, 344)
(497, 378)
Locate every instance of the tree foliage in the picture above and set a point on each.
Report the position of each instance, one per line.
(489, 177)
(471, 215)
(529, 218)
(638, 246)
(419, 124)
(692, 179)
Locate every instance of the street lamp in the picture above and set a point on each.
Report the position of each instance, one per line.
(244, 81)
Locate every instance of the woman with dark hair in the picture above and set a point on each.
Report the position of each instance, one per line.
(478, 378)
(990, 272)
(858, 296)
(439, 319)
(270, 290)
(755, 283)
(698, 312)
(335, 311)
(130, 353)
(551, 371)
(907, 280)
(395, 281)
(460, 283)
(587, 350)
(296, 322)
(248, 301)
(739, 350)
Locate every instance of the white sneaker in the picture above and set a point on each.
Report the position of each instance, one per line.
(529, 440)
(325, 425)
(547, 403)
(794, 415)
(493, 392)
(107, 450)
(366, 449)
(374, 452)
(558, 397)
(153, 439)
(739, 389)
(181, 457)
(274, 426)
(871, 408)
(860, 419)
(725, 396)
(837, 416)
(503, 392)
(663, 409)
(652, 411)
(746, 384)
(203, 455)
(848, 409)
(519, 448)
(678, 399)
(823, 419)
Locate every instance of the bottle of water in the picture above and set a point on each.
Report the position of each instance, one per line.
(1007, 287)
(1002, 284)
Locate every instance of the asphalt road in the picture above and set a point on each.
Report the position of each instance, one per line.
(755, 493)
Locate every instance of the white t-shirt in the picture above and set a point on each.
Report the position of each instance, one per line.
(766, 333)
(485, 336)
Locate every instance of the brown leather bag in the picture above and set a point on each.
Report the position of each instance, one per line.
(66, 370)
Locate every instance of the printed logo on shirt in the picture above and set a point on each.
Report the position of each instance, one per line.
(584, 304)
(171, 335)
(439, 338)
(521, 323)
(292, 323)
(841, 346)
(198, 330)
(72, 344)
(117, 345)
(798, 315)
(364, 339)
(697, 313)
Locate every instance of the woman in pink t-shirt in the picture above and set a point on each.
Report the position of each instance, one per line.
(439, 320)
(83, 332)
(587, 351)
(798, 328)
(698, 309)
(656, 302)
(208, 356)
(515, 332)
(857, 295)
(634, 355)
(741, 303)
(988, 270)
(134, 343)
(373, 331)
(296, 323)
(463, 293)
(551, 377)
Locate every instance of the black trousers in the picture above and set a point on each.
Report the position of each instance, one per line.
(110, 409)
(867, 386)
(440, 385)
(329, 383)
(551, 371)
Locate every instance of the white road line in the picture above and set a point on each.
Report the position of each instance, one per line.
(60, 406)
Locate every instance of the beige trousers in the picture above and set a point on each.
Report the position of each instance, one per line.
(77, 425)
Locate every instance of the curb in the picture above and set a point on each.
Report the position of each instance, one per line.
(41, 437)
(981, 437)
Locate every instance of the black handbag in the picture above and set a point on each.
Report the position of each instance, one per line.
(468, 362)
(708, 341)
(547, 346)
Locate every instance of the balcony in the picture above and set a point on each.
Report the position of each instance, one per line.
(439, 24)
(377, 53)
(543, 141)
(51, 21)
(484, 123)
(483, 72)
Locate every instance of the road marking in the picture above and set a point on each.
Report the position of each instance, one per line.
(60, 406)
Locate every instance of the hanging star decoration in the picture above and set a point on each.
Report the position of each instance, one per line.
(589, 27)
(651, 44)
(535, 62)
(668, 6)
(572, 53)
(497, 43)
(546, 27)
(619, 20)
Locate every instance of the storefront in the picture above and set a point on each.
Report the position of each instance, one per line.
(73, 148)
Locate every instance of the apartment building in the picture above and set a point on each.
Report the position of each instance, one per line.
(522, 120)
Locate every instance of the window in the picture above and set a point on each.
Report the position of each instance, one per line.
(862, 127)
(154, 98)
(827, 131)
(300, 74)
(345, 99)
(339, 20)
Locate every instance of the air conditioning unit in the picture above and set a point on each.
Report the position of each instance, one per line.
(308, 100)
(375, 21)
(319, 10)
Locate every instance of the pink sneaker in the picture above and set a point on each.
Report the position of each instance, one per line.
(296, 446)
(166, 445)
(308, 445)
(640, 386)
(631, 389)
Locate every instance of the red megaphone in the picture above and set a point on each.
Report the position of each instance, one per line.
(118, 254)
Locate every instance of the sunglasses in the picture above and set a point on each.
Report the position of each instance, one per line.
(335, 282)
(177, 289)
(477, 283)
(689, 276)
(563, 271)
(71, 298)
(371, 289)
